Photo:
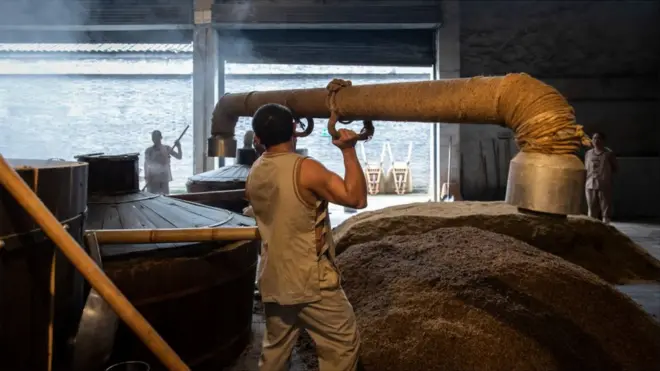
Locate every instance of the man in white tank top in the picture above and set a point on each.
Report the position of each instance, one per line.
(601, 165)
(299, 282)
(157, 171)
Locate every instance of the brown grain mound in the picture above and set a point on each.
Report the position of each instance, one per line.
(457, 299)
(586, 242)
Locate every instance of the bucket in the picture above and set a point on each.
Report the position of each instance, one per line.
(129, 366)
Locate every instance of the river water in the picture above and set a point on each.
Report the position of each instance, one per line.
(94, 109)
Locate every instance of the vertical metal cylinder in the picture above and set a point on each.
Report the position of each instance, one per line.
(551, 184)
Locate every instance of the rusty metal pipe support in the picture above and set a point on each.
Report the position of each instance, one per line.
(544, 177)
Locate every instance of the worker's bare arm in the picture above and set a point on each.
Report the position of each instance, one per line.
(331, 187)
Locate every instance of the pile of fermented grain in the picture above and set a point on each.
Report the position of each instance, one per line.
(586, 242)
(464, 299)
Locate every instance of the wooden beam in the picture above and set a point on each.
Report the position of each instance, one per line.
(390, 15)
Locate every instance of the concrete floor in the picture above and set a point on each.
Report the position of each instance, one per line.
(646, 234)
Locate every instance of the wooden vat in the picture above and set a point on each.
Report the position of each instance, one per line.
(30, 263)
(227, 178)
(224, 179)
(198, 296)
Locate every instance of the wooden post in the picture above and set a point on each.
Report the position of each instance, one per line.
(87, 267)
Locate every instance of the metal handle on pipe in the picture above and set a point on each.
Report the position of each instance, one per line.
(365, 134)
(307, 129)
(87, 267)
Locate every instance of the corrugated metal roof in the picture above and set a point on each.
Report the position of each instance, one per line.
(96, 48)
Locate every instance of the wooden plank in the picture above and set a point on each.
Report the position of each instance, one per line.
(386, 15)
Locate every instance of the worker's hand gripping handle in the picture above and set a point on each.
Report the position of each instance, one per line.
(365, 134)
(333, 88)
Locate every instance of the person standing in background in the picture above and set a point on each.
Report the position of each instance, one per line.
(601, 165)
(157, 171)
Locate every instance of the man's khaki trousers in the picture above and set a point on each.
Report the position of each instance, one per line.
(330, 322)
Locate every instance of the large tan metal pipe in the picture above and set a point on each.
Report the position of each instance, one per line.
(541, 118)
(528, 106)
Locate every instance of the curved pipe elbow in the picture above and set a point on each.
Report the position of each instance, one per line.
(541, 118)
(223, 121)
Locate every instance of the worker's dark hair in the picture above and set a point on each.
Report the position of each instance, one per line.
(273, 124)
(600, 134)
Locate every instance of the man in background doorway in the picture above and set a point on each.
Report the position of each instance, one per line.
(601, 165)
(157, 171)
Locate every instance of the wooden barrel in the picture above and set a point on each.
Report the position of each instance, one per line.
(26, 269)
(198, 296)
(226, 178)
(112, 174)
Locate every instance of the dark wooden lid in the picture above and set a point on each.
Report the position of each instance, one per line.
(142, 210)
(226, 174)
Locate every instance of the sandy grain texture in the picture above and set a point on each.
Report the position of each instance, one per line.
(586, 242)
(464, 299)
